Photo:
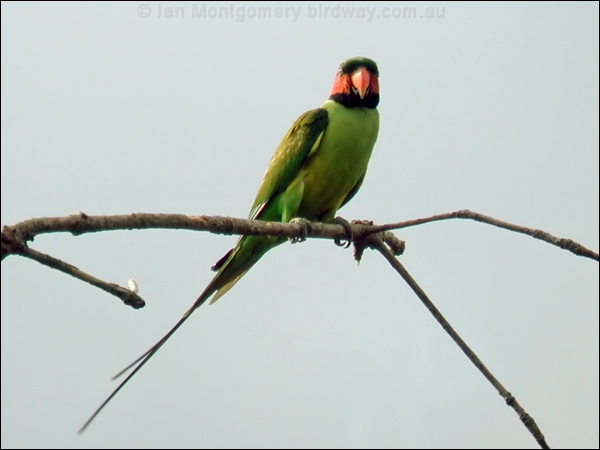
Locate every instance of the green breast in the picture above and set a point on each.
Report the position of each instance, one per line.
(340, 161)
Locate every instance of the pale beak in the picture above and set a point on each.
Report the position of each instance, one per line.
(361, 80)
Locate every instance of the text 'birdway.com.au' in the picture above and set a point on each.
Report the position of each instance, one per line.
(204, 11)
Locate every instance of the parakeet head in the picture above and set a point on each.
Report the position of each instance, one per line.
(356, 83)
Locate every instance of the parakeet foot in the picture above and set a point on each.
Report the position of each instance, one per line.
(349, 235)
(304, 224)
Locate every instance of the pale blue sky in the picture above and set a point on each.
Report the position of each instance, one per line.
(492, 107)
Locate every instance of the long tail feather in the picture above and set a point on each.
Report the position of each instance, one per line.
(231, 268)
(126, 369)
(142, 360)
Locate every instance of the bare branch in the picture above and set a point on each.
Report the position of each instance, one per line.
(364, 234)
(128, 296)
(15, 238)
(377, 243)
(565, 243)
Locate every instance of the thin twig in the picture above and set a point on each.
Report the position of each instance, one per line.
(128, 296)
(564, 243)
(377, 243)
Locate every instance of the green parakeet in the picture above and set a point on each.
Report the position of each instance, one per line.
(317, 168)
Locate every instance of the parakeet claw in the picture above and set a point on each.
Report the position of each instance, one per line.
(304, 224)
(349, 235)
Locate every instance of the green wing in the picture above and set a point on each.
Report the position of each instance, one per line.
(299, 142)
